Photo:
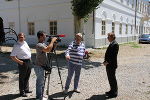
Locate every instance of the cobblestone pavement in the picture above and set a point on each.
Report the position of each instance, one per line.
(133, 75)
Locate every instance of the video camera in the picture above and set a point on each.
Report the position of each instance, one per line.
(57, 36)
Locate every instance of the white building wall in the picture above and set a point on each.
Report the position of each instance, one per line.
(118, 12)
(42, 11)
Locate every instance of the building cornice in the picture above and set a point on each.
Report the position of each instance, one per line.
(54, 3)
(126, 12)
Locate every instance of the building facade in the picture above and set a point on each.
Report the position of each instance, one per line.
(55, 17)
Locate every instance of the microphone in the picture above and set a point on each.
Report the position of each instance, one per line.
(59, 35)
(62, 35)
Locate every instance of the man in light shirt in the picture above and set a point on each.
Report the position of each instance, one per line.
(21, 54)
(74, 56)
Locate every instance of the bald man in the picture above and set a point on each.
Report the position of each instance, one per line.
(21, 54)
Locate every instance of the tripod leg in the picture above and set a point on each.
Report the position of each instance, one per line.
(44, 82)
(50, 63)
(47, 92)
(59, 72)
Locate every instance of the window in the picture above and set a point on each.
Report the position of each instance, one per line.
(103, 27)
(31, 28)
(147, 29)
(53, 27)
(120, 28)
(12, 26)
(131, 29)
(113, 27)
(126, 28)
(146, 8)
(141, 7)
(132, 3)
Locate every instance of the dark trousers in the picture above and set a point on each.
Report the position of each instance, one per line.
(24, 74)
(111, 71)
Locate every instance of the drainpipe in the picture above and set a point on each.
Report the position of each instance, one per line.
(135, 19)
(19, 15)
(93, 29)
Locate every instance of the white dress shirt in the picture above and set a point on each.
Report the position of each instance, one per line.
(21, 50)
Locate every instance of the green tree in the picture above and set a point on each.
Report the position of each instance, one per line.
(81, 10)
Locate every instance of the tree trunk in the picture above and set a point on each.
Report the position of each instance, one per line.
(78, 25)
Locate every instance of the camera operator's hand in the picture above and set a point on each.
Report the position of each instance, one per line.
(50, 46)
(54, 39)
(68, 57)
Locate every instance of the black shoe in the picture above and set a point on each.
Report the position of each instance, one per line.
(111, 95)
(77, 91)
(28, 91)
(23, 94)
(108, 93)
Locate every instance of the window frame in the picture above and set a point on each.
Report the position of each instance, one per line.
(53, 27)
(31, 28)
(113, 27)
(120, 28)
(103, 31)
(126, 28)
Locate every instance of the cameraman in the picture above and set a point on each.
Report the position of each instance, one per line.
(41, 61)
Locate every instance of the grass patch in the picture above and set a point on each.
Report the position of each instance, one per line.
(132, 44)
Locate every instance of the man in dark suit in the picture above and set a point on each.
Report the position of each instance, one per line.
(111, 65)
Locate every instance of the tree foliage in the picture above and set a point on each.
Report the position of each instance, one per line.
(82, 8)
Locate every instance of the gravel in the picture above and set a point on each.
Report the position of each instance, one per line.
(133, 76)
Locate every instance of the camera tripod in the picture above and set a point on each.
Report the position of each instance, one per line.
(50, 57)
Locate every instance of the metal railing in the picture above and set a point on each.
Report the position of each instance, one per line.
(10, 34)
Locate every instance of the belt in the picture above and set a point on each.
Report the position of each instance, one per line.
(25, 60)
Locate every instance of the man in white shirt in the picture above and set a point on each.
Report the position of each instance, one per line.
(21, 54)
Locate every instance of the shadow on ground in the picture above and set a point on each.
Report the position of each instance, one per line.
(9, 97)
(98, 97)
(30, 99)
(62, 63)
(7, 64)
(60, 96)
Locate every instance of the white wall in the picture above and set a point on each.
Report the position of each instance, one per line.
(115, 11)
(40, 12)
